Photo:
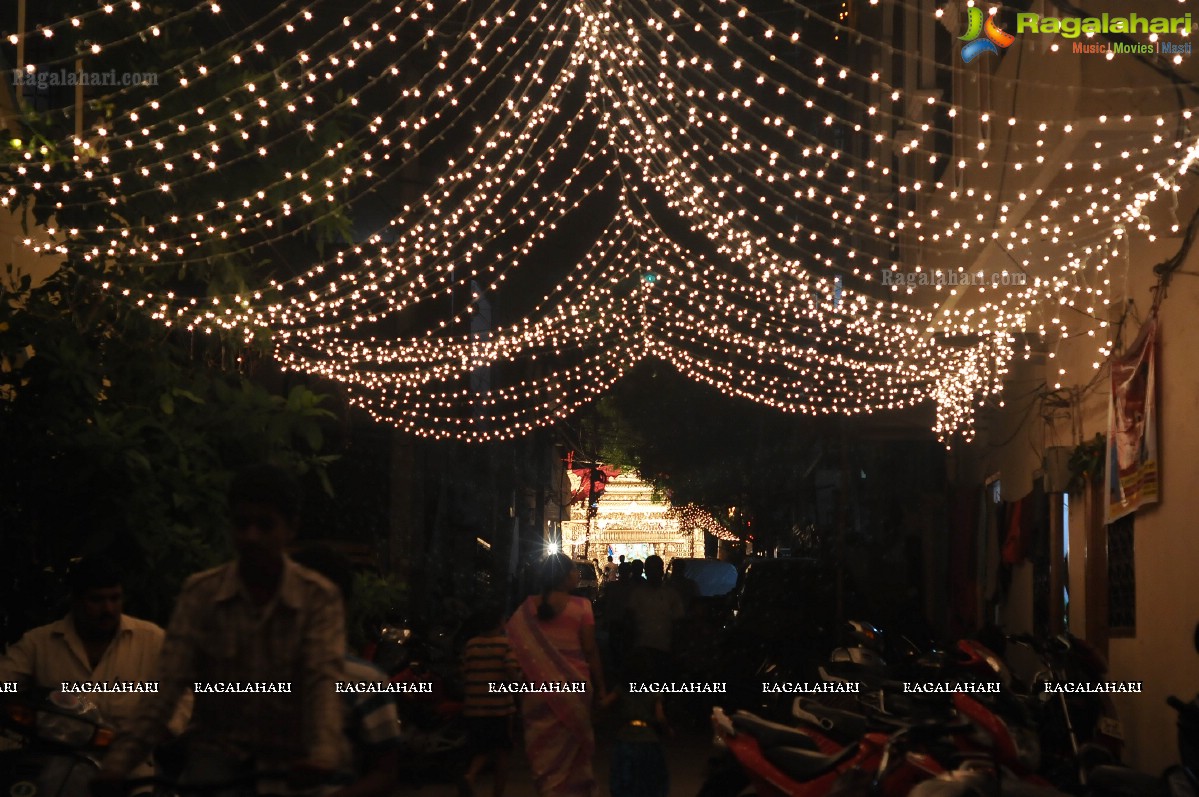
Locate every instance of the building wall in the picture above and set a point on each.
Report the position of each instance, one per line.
(13, 250)
(1166, 549)
(1012, 440)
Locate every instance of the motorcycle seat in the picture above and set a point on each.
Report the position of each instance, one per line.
(844, 726)
(772, 734)
(1115, 780)
(807, 764)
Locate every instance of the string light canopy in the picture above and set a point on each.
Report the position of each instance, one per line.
(719, 186)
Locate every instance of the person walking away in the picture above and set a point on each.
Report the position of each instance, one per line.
(372, 724)
(265, 626)
(615, 615)
(680, 583)
(96, 642)
(553, 637)
(653, 611)
(638, 766)
(610, 570)
(488, 659)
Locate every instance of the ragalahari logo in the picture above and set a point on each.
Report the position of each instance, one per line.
(980, 24)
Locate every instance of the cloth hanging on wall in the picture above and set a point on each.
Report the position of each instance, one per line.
(1020, 527)
(1131, 477)
(1013, 546)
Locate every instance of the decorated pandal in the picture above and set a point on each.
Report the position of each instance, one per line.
(630, 522)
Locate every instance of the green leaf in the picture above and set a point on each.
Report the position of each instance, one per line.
(187, 394)
(166, 404)
(312, 435)
(326, 485)
(137, 460)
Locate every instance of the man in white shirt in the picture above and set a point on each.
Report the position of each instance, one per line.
(610, 571)
(94, 644)
(654, 610)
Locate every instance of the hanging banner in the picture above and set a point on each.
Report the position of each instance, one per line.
(1132, 477)
(590, 482)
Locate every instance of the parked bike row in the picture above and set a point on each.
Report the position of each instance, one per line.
(931, 722)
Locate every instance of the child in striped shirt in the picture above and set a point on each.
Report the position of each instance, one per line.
(488, 659)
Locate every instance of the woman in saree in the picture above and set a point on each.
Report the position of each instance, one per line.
(553, 637)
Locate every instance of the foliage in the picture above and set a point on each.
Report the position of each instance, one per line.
(120, 433)
(118, 438)
(377, 600)
(1087, 462)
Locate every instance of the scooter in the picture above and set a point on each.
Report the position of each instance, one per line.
(54, 745)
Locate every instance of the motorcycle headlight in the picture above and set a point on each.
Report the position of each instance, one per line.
(64, 730)
(395, 633)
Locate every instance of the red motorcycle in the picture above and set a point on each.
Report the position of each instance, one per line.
(782, 761)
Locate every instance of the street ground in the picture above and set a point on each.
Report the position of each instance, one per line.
(687, 754)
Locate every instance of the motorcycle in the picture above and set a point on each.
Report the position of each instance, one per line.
(1079, 731)
(391, 649)
(1009, 723)
(981, 778)
(54, 744)
(431, 728)
(1110, 780)
(1005, 727)
(432, 734)
(781, 761)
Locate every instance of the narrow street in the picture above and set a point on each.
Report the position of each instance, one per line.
(369, 369)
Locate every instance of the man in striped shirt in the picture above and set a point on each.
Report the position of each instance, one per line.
(489, 713)
(261, 618)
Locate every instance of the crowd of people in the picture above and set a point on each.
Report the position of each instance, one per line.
(245, 678)
(553, 636)
(271, 618)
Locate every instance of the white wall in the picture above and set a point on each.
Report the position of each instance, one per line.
(1012, 440)
(1166, 537)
